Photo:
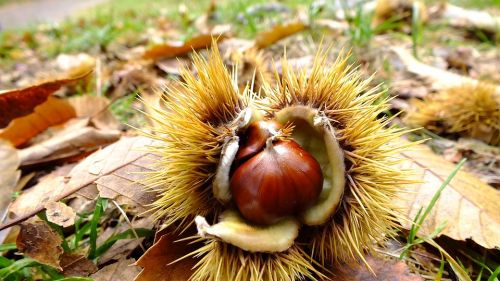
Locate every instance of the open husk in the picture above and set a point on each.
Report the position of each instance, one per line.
(335, 117)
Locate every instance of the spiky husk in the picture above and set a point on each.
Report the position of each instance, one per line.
(253, 69)
(469, 110)
(221, 261)
(344, 97)
(192, 123)
(195, 123)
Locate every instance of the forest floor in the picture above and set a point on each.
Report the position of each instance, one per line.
(75, 78)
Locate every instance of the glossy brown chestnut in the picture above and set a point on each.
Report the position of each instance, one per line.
(254, 139)
(279, 181)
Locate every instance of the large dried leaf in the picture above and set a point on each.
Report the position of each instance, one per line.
(157, 261)
(9, 176)
(38, 241)
(115, 162)
(170, 50)
(72, 140)
(468, 206)
(119, 271)
(278, 32)
(52, 112)
(382, 270)
(20, 102)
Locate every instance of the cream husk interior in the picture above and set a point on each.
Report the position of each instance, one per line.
(316, 135)
(233, 229)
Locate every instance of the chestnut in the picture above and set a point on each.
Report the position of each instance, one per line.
(280, 180)
(254, 139)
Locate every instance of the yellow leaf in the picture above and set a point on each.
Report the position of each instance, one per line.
(468, 206)
(170, 50)
(278, 32)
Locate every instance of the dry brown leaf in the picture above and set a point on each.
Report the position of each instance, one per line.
(38, 241)
(468, 206)
(52, 112)
(21, 102)
(77, 265)
(156, 261)
(119, 271)
(95, 108)
(278, 32)
(9, 176)
(116, 160)
(170, 50)
(60, 214)
(72, 140)
(384, 270)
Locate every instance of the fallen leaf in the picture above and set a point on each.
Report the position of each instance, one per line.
(467, 206)
(170, 50)
(119, 271)
(114, 160)
(440, 79)
(60, 214)
(278, 32)
(470, 19)
(9, 176)
(21, 102)
(157, 261)
(72, 140)
(389, 270)
(52, 112)
(77, 265)
(95, 108)
(38, 241)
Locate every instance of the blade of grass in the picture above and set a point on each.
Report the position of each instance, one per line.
(7, 247)
(96, 217)
(16, 266)
(416, 28)
(129, 233)
(439, 275)
(4, 262)
(51, 272)
(80, 233)
(124, 215)
(493, 277)
(438, 194)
